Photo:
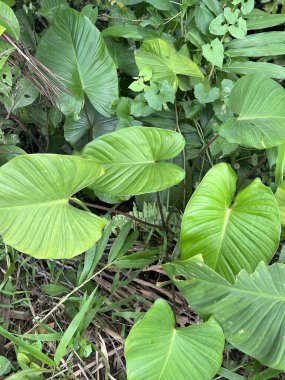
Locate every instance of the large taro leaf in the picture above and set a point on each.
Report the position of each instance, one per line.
(74, 50)
(9, 21)
(259, 107)
(251, 312)
(35, 215)
(155, 349)
(230, 236)
(133, 160)
(165, 62)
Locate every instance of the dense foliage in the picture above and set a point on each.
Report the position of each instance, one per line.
(143, 141)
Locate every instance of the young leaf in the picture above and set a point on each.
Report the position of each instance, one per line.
(205, 95)
(238, 30)
(155, 349)
(259, 107)
(36, 217)
(83, 68)
(251, 311)
(214, 52)
(230, 236)
(165, 62)
(132, 159)
(219, 25)
(158, 96)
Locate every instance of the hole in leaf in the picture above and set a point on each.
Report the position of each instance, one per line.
(26, 96)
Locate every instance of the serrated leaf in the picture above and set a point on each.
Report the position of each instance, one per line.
(231, 237)
(156, 350)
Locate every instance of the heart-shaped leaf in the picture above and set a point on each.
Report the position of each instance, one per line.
(133, 159)
(83, 68)
(214, 52)
(219, 25)
(259, 107)
(230, 236)
(238, 30)
(155, 349)
(251, 312)
(36, 217)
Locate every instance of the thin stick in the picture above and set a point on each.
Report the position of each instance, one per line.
(161, 211)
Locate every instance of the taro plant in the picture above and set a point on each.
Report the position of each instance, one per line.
(150, 124)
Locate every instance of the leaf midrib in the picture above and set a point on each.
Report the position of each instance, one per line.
(168, 354)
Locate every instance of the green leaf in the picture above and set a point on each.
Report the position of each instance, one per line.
(32, 350)
(49, 8)
(165, 62)
(9, 21)
(214, 52)
(258, 19)
(218, 26)
(206, 95)
(155, 349)
(53, 290)
(280, 198)
(36, 217)
(5, 366)
(24, 94)
(132, 159)
(72, 329)
(231, 16)
(230, 236)
(140, 107)
(90, 11)
(251, 312)
(259, 107)
(238, 30)
(81, 61)
(247, 6)
(250, 67)
(133, 32)
(257, 45)
(158, 96)
(22, 375)
(90, 125)
(162, 5)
